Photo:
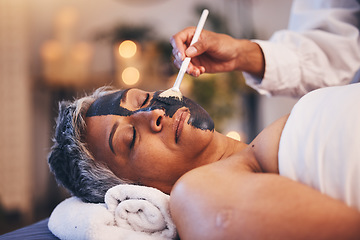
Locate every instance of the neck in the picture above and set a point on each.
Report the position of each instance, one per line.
(232, 147)
(239, 150)
(225, 147)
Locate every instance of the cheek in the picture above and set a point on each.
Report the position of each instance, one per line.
(156, 162)
(196, 141)
(149, 155)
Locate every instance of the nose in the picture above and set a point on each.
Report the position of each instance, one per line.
(153, 119)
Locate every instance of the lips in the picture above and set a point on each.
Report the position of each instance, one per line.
(178, 124)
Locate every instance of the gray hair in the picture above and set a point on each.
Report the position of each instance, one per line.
(70, 161)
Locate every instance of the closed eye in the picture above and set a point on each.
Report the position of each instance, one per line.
(146, 100)
(133, 139)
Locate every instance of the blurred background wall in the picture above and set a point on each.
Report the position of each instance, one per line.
(60, 49)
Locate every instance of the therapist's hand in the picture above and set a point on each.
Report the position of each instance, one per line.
(215, 52)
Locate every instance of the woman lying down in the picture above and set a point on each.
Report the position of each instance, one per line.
(298, 179)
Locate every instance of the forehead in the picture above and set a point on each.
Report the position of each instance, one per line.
(109, 105)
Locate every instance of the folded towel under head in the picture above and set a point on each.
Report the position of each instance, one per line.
(141, 209)
(129, 212)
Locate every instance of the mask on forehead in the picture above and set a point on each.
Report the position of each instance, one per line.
(110, 105)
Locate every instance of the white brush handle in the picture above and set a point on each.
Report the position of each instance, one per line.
(200, 26)
(186, 61)
(181, 74)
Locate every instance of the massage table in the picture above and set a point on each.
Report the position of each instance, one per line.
(36, 231)
(129, 212)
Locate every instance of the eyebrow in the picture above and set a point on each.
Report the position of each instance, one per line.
(107, 104)
(111, 136)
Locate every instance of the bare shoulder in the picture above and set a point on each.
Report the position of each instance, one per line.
(266, 145)
(226, 200)
(197, 196)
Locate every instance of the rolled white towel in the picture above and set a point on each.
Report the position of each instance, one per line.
(141, 209)
(130, 213)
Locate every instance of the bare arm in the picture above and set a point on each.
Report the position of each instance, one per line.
(226, 200)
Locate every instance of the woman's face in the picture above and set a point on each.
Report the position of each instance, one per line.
(148, 139)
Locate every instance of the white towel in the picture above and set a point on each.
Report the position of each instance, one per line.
(142, 209)
(130, 212)
(320, 144)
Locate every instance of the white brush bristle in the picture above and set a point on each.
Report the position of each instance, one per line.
(171, 93)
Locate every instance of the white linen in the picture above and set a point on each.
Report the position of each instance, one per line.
(142, 209)
(320, 48)
(320, 143)
(130, 212)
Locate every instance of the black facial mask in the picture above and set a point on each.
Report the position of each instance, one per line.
(110, 105)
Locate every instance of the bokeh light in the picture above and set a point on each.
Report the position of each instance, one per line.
(51, 50)
(234, 135)
(130, 76)
(127, 49)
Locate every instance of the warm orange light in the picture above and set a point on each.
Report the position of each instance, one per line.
(130, 76)
(234, 135)
(82, 52)
(127, 49)
(51, 50)
(67, 17)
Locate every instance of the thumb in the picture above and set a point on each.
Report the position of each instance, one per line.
(196, 49)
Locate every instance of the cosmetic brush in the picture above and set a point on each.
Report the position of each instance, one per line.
(175, 90)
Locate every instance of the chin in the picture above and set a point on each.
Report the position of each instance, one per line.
(198, 140)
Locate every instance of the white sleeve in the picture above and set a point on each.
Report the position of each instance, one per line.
(320, 48)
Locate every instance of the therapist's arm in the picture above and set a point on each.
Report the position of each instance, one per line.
(320, 48)
(227, 201)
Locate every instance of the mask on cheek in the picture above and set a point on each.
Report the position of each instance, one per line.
(110, 105)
